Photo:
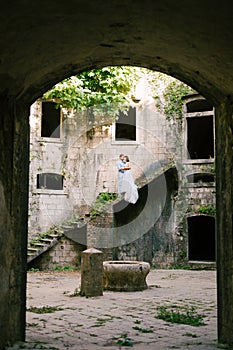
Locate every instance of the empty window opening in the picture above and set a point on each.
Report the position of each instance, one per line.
(200, 137)
(50, 181)
(126, 126)
(200, 178)
(201, 238)
(198, 106)
(50, 121)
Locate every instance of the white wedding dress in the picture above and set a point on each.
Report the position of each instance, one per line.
(128, 188)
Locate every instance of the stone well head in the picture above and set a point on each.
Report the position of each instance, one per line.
(125, 276)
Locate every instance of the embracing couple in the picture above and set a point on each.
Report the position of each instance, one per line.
(126, 185)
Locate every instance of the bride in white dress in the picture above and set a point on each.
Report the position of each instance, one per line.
(128, 188)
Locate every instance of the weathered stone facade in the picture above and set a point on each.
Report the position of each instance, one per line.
(65, 253)
(85, 156)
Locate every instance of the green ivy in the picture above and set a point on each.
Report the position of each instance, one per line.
(188, 316)
(106, 90)
(173, 94)
(206, 209)
(100, 202)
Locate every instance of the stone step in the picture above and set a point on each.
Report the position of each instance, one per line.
(54, 235)
(42, 245)
(46, 240)
(29, 255)
(30, 249)
(38, 244)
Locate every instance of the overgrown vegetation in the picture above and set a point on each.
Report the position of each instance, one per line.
(100, 202)
(107, 90)
(44, 309)
(110, 89)
(53, 230)
(32, 269)
(188, 316)
(64, 268)
(206, 209)
(173, 94)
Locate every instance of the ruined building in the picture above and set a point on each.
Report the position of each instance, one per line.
(42, 44)
(73, 160)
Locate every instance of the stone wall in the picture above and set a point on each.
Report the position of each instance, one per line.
(65, 253)
(86, 156)
(46, 207)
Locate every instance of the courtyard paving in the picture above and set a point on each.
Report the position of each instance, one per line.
(107, 321)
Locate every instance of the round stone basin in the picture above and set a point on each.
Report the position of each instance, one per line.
(125, 276)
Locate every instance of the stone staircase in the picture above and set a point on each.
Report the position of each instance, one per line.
(40, 245)
(74, 230)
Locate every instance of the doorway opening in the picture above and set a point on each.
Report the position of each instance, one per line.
(201, 238)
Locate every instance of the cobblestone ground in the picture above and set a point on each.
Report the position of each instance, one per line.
(105, 322)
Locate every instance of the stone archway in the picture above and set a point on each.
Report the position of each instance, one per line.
(41, 45)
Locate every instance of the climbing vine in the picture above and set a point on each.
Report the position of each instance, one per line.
(173, 94)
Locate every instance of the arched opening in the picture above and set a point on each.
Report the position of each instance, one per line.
(161, 43)
(201, 238)
(149, 245)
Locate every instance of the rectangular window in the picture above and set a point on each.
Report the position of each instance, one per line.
(51, 120)
(126, 126)
(50, 181)
(200, 137)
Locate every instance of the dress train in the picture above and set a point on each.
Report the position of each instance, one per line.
(128, 188)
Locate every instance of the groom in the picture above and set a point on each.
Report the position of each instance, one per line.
(120, 165)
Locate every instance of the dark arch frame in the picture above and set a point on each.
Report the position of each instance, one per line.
(104, 33)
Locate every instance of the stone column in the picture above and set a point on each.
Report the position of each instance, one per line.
(14, 145)
(224, 199)
(92, 273)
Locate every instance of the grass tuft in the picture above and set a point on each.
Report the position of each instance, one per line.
(44, 309)
(189, 316)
